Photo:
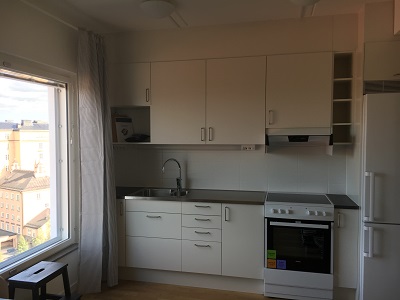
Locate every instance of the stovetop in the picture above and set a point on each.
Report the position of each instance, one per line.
(298, 198)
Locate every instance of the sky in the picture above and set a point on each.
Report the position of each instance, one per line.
(20, 100)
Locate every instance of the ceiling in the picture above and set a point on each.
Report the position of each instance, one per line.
(107, 16)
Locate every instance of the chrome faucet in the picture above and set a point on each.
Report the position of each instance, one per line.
(178, 179)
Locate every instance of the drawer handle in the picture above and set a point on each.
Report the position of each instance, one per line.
(198, 219)
(202, 246)
(153, 217)
(202, 232)
(203, 206)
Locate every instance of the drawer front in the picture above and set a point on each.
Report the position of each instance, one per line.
(201, 257)
(200, 208)
(154, 206)
(153, 253)
(201, 234)
(201, 221)
(148, 224)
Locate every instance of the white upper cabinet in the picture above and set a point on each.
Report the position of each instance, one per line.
(381, 61)
(235, 100)
(130, 84)
(299, 91)
(178, 102)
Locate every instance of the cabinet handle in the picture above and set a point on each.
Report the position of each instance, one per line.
(396, 75)
(202, 246)
(205, 220)
(121, 208)
(202, 232)
(153, 217)
(227, 214)
(147, 95)
(270, 117)
(203, 134)
(202, 206)
(339, 220)
(210, 134)
(369, 252)
(371, 204)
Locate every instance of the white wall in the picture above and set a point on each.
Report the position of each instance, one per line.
(291, 169)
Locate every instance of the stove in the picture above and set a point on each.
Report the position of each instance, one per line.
(298, 246)
(299, 206)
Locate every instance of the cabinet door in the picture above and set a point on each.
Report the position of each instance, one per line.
(346, 248)
(154, 253)
(201, 257)
(299, 91)
(121, 231)
(236, 100)
(243, 240)
(381, 61)
(130, 84)
(178, 102)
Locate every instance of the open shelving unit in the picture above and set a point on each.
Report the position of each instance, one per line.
(342, 98)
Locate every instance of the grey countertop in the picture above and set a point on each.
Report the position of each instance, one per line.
(342, 201)
(200, 195)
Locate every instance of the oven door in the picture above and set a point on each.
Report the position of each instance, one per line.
(299, 245)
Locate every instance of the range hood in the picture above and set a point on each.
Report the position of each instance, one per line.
(303, 137)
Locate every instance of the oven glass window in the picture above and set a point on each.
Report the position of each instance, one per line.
(299, 248)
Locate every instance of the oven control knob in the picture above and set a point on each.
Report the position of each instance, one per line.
(273, 211)
(317, 213)
(288, 211)
(281, 211)
(324, 213)
(309, 212)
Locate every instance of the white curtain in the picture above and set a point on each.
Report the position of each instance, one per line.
(98, 238)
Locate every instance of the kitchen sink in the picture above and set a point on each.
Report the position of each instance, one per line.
(158, 193)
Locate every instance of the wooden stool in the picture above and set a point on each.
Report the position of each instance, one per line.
(37, 276)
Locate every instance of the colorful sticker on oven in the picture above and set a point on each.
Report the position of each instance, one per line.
(271, 263)
(281, 264)
(271, 254)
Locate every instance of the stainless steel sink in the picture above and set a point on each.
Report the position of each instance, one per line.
(158, 193)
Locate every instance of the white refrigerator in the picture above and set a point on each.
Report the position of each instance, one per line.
(380, 257)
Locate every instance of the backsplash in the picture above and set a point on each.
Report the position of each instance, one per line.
(291, 169)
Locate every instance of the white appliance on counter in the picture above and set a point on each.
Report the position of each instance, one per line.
(298, 246)
(380, 260)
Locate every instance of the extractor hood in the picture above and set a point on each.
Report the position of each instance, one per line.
(303, 137)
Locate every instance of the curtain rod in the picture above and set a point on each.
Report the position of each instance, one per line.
(49, 14)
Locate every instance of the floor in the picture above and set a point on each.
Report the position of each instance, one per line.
(155, 291)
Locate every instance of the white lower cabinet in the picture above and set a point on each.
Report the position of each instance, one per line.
(243, 240)
(346, 248)
(153, 253)
(201, 257)
(153, 235)
(121, 231)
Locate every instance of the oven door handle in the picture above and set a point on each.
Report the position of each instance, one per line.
(302, 225)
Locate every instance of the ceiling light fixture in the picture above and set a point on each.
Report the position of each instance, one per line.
(304, 2)
(157, 8)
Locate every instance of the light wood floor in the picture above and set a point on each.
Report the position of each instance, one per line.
(154, 291)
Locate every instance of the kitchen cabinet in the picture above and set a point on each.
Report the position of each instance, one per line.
(153, 234)
(235, 100)
(201, 237)
(121, 231)
(381, 61)
(223, 105)
(396, 17)
(243, 240)
(299, 92)
(130, 84)
(178, 102)
(346, 233)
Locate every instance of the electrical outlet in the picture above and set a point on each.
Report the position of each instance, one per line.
(248, 147)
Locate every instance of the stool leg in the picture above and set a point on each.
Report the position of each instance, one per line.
(35, 294)
(11, 292)
(43, 292)
(67, 288)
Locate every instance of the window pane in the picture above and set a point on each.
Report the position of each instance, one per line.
(30, 114)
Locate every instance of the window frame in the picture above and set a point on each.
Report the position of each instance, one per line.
(70, 202)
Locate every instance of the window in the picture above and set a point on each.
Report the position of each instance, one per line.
(12, 207)
(2, 215)
(7, 215)
(7, 156)
(1, 204)
(7, 226)
(2, 225)
(6, 205)
(43, 119)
